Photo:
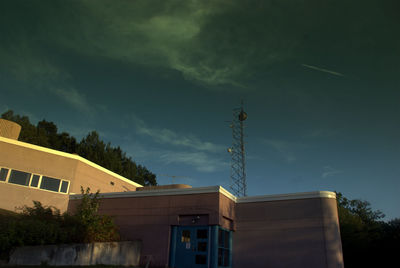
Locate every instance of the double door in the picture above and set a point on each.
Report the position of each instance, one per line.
(192, 246)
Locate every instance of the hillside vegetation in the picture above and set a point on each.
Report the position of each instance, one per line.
(91, 147)
(367, 240)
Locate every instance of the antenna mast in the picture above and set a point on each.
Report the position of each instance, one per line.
(238, 174)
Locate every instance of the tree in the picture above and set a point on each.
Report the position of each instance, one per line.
(91, 147)
(67, 143)
(367, 241)
(95, 227)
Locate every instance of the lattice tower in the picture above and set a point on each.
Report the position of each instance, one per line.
(238, 164)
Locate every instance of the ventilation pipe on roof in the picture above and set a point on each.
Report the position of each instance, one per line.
(9, 129)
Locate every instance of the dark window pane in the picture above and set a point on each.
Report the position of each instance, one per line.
(201, 259)
(220, 257)
(50, 184)
(35, 180)
(202, 246)
(226, 239)
(185, 236)
(3, 174)
(223, 257)
(19, 177)
(220, 238)
(223, 247)
(226, 257)
(202, 233)
(64, 187)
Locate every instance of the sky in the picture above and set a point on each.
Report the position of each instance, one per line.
(319, 80)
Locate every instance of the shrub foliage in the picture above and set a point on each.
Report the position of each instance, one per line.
(40, 225)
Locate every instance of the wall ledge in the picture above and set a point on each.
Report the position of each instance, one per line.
(214, 189)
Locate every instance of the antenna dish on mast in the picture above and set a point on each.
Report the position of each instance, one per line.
(242, 116)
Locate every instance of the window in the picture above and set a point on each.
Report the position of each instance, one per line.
(202, 233)
(3, 174)
(223, 247)
(201, 246)
(50, 184)
(201, 259)
(35, 181)
(185, 236)
(64, 187)
(19, 177)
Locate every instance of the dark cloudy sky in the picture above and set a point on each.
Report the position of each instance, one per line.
(319, 79)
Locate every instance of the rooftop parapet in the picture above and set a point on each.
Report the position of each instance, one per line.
(163, 187)
(9, 129)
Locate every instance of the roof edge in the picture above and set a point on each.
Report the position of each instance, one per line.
(158, 192)
(70, 156)
(214, 189)
(281, 197)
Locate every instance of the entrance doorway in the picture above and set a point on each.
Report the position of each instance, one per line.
(200, 247)
(192, 247)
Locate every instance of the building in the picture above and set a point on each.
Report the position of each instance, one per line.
(29, 172)
(180, 226)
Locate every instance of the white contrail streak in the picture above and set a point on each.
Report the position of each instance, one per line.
(322, 70)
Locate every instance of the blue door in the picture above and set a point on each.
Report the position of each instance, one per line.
(192, 247)
(200, 247)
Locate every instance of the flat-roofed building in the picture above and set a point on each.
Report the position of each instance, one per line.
(179, 226)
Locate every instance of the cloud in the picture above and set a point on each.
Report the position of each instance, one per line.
(170, 36)
(217, 43)
(201, 161)
(33, 66)
(214, 43)
(73, 98)
(322, 70)
(189, 150)
(283, 148)
(169, 137)
(329, 171)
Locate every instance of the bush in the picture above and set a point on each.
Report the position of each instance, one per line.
(40, 225)
(96, 228)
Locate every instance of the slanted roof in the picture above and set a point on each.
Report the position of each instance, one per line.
(69, 156)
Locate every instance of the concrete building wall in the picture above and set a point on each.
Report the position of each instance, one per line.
(227, 213)
(14, 196)
(76, 170)
(149, 218)
(96, 179)
(333, 241)
(295, 230)
(29, 159)
(287, 233)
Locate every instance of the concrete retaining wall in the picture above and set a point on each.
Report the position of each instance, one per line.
(111, 253)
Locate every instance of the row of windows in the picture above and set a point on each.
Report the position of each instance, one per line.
(33, 180)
